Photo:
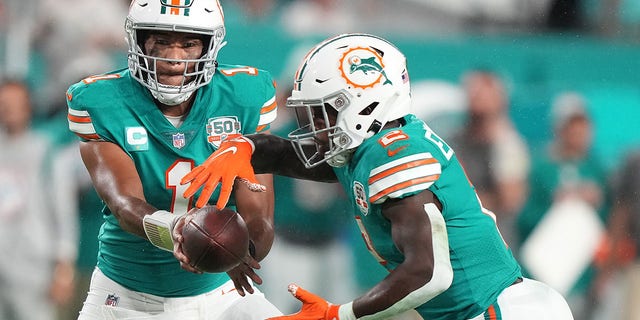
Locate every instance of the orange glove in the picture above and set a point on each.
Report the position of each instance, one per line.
(313, 307)
(231, 160)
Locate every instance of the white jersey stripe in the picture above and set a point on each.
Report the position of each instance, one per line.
(267, 114)
(404, 176)
(78, 113)
(82, 128)
(268, 117)
(413, 157)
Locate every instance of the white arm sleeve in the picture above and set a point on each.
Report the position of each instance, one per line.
(440, 281)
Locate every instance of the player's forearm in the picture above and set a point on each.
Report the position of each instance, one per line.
(262, 235)
(257, 209)
(130, 212)
(115, 178)
(260, 225)
(128, 207)
(403, 289)
(424, 273)
(273, 154)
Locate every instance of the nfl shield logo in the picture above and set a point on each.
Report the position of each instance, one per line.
(178, 140)
(112, 300)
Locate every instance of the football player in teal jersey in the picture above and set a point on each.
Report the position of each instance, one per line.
(142, 129)
(418, 213)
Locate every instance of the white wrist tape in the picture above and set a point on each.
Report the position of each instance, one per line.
(345, 312)
(158, 227)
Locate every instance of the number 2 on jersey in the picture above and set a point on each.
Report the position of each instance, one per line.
(234, 71)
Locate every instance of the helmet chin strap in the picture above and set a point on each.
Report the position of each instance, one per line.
(340, 160)
(171, 99)
(165, 96)
(340, 141)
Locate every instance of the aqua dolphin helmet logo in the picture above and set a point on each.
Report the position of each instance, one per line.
(366, 65)
(363, 68)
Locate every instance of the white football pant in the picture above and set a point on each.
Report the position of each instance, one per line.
(108, 300)
(529, 300)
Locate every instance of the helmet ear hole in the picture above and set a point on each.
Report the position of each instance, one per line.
(369, 109)
(375, 127)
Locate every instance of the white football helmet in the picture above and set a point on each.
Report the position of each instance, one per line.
(191, 16)
(362, 78)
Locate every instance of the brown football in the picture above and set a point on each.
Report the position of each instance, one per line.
(215, 240)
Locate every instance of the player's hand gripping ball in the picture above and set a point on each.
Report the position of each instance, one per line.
(215, 240)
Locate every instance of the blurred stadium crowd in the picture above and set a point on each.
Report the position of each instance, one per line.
(540, 99)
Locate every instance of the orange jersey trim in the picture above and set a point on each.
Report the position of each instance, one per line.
(268, 108)
(92, 136)
(79, 119)
(401, 167)
(491, 312)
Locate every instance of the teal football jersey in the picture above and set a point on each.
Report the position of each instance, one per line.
(116, 108)
(404, 161)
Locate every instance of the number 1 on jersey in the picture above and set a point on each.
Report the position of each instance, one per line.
(173, 175)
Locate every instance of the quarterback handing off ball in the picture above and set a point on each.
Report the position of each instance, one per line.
(215, 240)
